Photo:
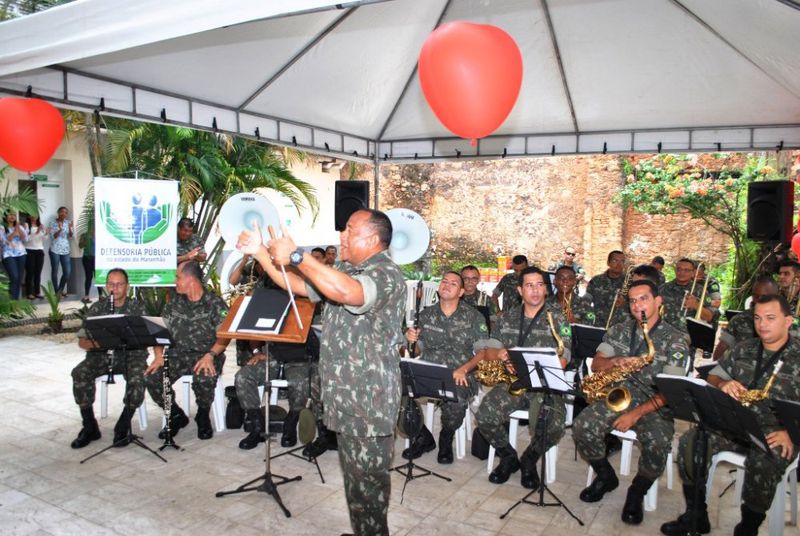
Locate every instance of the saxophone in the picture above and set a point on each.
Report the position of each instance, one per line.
(756, 395)
(556, 336)
(599, 385)
(493, 371)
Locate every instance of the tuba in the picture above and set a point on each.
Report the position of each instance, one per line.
(600, 384)
(756, 395)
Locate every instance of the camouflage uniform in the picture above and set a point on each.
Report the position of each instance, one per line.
(193, 326)
(360, 379)
(672, 295)
(582, 308)
(448, 340)
(603, 290)
(480, 296)
(577, 268)
(739, 329)
(661, 278)
(131, 364)
(654, 431)
(762, 472)
(185, 246)
(498, 403)
(507, 287)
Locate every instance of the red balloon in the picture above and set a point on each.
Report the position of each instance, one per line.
(30, 132)
(470, 75)
(796, 244)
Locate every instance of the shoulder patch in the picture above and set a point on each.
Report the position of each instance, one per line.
(565, 331)
(483, 328)
(590, 315)
(678, 355)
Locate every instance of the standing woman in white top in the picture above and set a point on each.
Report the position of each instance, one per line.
(12, 240)
(60, 231)
(34, 245)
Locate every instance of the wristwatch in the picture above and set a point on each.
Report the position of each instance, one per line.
(296, 257)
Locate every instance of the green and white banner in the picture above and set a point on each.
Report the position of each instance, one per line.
(136, 229)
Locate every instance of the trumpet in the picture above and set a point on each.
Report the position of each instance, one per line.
(623, 291)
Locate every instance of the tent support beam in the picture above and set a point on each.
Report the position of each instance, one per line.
(791, 3)
(302, 52)
(564, 83)
(411, 77)
(730, 45)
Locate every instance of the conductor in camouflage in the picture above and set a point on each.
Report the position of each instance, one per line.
(748, 365)
(131, 364)
(361, 335)
(446, 334)
(525, 326)
(645, 414)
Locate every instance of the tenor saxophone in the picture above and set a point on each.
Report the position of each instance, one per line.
(756, 395)
(601, 384)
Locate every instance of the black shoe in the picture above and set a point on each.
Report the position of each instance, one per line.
(509, 463)
(529, 477)
(605, 481)
(86, 436)
(633, 510)
(445, 454)
(256, 434)
(177, 420)
(326, 440)
(682, 525)
(122, 430)
(204, 429)
(421, 444)
(289, 437)
(750, 522)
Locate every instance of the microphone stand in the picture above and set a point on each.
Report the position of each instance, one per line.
(547, 403)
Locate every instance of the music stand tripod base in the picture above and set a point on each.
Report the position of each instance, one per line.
(131, 439)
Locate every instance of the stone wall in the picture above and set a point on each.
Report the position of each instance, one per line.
(479, 209)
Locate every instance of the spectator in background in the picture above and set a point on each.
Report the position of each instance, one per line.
(190, 245)
(658, 264)
(34, 262)
(60, 231)
(86, 242)
(12, 241)
(330, 255)
(319, 254)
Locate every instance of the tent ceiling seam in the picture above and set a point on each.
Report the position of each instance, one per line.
(411, 77)
(565, 84)
(303, 51)
(791, 3)
(733, 47)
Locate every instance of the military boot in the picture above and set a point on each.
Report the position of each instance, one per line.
(633, 510)
(204, 429)
(605, 481)
(421, 444)
(750, 522)
(683, 524)
(177, 420)
(445, 454)
(509, 463)
(289, 437)
(529, 477)
(89, 432)
(256, 434)
(325, 440)
(122, 430)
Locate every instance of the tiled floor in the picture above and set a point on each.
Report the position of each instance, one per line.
(45, 490)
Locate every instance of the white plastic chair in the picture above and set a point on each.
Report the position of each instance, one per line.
(464, 431)
(775, 516)
(119, 378)
(551, 456)
(218, 406)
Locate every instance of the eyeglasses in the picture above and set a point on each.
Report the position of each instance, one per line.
(472, 279)
(115, 285)
(570, 253)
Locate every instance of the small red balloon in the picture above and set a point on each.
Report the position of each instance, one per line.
(796, 244)
(470, 75)
(30, 132)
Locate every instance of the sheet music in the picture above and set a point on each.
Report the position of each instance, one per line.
(550, 364)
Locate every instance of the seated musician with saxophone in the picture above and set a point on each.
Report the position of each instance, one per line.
(577, 309)
(608, 291)
(682, 295)
(754, 372)
(446, 333)
(622, 397)
(534, 324)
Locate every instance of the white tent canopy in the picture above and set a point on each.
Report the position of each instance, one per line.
(341, 79)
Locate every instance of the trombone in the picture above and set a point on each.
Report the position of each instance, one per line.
(623, 291)
(690, 292)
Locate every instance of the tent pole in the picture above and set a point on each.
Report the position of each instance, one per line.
(376, 179)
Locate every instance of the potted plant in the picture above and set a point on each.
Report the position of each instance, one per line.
(56, 318)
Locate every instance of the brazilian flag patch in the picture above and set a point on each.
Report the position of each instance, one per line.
(678, 355)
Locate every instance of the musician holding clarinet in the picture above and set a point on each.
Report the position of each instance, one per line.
(131, 364)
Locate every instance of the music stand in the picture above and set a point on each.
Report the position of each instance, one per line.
(123, 333)
(539, 370)
(694, 400)
(701, 334)
(424, 379)
(291, 332)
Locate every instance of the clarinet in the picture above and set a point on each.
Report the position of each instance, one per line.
(110, 353)
(418, 300)
(166, 390)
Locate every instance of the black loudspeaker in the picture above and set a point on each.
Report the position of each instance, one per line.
(770, 207)
(350, 197)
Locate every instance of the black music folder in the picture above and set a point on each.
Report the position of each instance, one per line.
(428, 379)
(586, 339)
(701, 334)
(263, 312)
(789, 414)
(730, 313)
(130, 332)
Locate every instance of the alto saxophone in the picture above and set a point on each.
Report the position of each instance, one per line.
(756, 395)
(600, 384)
(493, 371)
(556, 336)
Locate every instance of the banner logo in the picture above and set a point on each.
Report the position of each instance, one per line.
(137, 221)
